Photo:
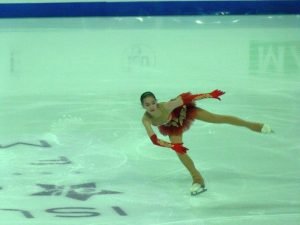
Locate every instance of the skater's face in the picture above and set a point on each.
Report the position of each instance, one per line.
(150, 104)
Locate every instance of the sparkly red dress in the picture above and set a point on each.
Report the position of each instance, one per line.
(181, 120)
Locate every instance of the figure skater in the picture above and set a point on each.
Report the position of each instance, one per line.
(173, 118)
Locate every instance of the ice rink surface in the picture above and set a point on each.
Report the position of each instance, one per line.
(72, 146)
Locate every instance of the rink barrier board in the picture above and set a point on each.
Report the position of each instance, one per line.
(156, 8)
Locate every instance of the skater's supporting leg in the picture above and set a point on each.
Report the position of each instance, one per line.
(215, 118)
(188, 163)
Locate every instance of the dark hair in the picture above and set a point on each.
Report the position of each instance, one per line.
(145, 95)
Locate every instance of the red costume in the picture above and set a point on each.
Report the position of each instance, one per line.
(182, 119)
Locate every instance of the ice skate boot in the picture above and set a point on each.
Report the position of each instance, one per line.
(197, 189)
(266, 129)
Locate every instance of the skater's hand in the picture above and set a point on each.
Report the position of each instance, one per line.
(216, 94)
(179, 148)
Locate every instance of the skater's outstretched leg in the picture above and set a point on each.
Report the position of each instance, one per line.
(215, 118)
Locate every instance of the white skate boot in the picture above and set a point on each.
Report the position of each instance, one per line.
(266, 129)
(197, 189)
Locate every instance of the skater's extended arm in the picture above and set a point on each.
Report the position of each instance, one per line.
(187, 98)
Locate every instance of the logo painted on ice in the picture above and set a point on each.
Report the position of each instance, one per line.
(62, 160)
(43, 144)
(80, 192)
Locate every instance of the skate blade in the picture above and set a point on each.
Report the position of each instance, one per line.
(193, 193)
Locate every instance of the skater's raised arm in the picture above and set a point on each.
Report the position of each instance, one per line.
(173, 104)
(187, 98)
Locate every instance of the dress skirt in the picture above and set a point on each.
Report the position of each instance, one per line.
(182, 119)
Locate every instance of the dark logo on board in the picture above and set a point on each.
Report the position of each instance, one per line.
(275, 57)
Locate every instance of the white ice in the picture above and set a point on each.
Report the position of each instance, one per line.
(74, 84)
